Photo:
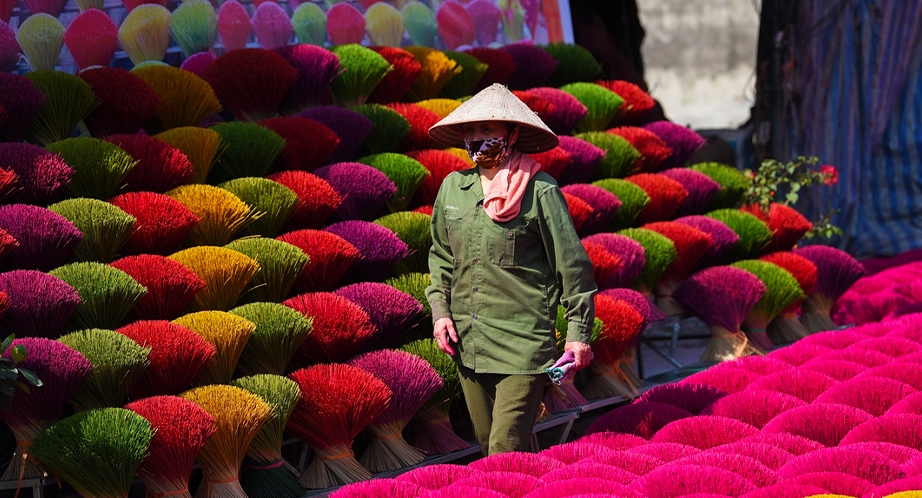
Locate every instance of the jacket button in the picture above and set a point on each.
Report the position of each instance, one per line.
(476, 261)
(511, 233)
(475, 289)
(474, 317)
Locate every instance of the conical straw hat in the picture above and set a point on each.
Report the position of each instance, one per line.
(496, 103)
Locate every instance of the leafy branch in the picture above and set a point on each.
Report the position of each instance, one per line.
(10, 372)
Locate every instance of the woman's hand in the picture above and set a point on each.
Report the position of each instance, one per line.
(445, 331)
(581, 351)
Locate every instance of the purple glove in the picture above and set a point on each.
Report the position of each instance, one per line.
(559, 370)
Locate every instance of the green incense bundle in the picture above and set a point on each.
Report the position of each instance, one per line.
(390, 128)
(414, 284)
(117, 363)
(107, 294)
(463, 84)
(574, 64)
(105, 227)
(249, 150)
(413, 229)
(733, 184)
(406, 173)
(278, 334)
(659, 252)
(781, 289)
(602, 105)
(364, 69)
(273, 202)
(99, 167)
(620, 155)
(754, 234)
(68, 99)
(633, 200)
(280, 265)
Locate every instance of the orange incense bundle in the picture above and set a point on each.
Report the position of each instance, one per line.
(308, 143)
(653, 150)
(666, 195)
(691, 244)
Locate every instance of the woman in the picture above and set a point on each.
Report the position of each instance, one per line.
(504, 254)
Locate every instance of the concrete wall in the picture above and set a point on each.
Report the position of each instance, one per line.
(700, 58)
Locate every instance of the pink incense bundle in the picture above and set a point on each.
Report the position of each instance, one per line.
(613, 440)
(704, 431)
(628, 250)
(91, 38)
(317, 199)
(834, 483)
(567, 111)
(41, 176)
(637, 102)
(177, 355)
(539, 105)
(486, 17)
(308, 143)
(871, 394)
(126, 102)
(793, 444)
(378, 487)
(621, 325)
(352, 128)
(161, 167)
(330, 258)
(197, 62)
(412, 381)
(572, 452)
(554, 162)
(762, 365)
(234, 26)
(251, 82)
(162, 223)
(754, 407)
(802, 384)
(641, 418)
(21, 102)
(905, 372)
(340, 327)
(345, 24)
(838, 420)
(839, 370)
(748, 467)
(456, 25)
(667, 452)
(272, 25)
(440, 164)
(690, 397)
(653, 150)
(420, 119)
(171, 287)
(691, 245)
(898, 487)
(700, 187)
(604, 206)
(506, 482)
(500, 66)
(535, 465)
(686, 480)
(582, 485)
(666, 195)
(890, 344)
(180, 430)
(836, 272)
(317, 67)
(731, 380)
(866, 357)
(585, 158)
(365, 190)
(580, 211)
(868, 465)
(390, 310)
(46, 239)
(683, 142)
(533, 65)
(766, 454)
(437, 476)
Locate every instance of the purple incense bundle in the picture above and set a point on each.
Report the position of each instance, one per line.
(535, 465)
(40, 304)
(568, 110)
(641, 418)
(683, 141)
(836, 272)
(352, 128)
(317, 67)
(62, 370)
(21, 99)
(413, 381)
(629, 250)
(197, 62)
(604, 206)
(700, 187)
(43, 175)
(171, 286)
(46, 239)
(533, 65)
(838, 420)
(755, 407)
(704, 431)
(391, 310)
(723, 238)
(585, 158)
(381, 249)
(365, 190)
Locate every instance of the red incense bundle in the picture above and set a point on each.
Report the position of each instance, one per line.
(666, 195)
(691, 244)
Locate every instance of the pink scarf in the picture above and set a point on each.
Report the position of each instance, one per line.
(503, 198)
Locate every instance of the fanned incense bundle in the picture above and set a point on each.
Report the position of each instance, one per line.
(753, 233)
(415, 285)
(533, 66)
(197, 62)
(9, 46)
(317, 199)
(126, 102)
(537, 104)
(7, 244)
(380, 248)
(365, 68)
(437, 477)
(8, 177)
(567, 111)
(683, 141)
(501, 482)
(420, 119)
(455, 25)
(352, 128)
(405, 69)
(390, 310)
(659, 253)
(439, 164)
(251, 82)
(249, 150)
(272, 25)
(420, 22)
(194, 26)
(308, 143)
(279, 332)
(117, 363)
(500, 66)
(41, 176)
(406, 173)
(68, 100)
(365, 191)
(721, 297)
(602, 105)
(228, 334)
(787, 225)
(317, 68)
(472, 70)
(837, 419)
(98, 451)
(161, 166)
(185, 99)
(700, 187)
(309, 22)
(339, 328)
(629, 251)
(345, 24)
(389, 131)
(722, 237)
(412, 228)
(280, 265)
(380, 487)
(690, 244)
(328, 424)
(781, 289)
(574, 64)
(105, 227)
(145, 33)
(384, 25)
(226, 274)
(633, 200)
(91, 38)
(640, 419)
(238, 417)
(733, 183)
(621, 325)
(555, 162)
(836, 272)
(100, 168)
(273, 201)
(441, 107)
(161, 224)
(39, 304)
(486, 17)
(653, 151)
(21, 103)
(234, 26)
(637, 102)
(604, 204)
(177, 356)
(41, 37)
(62, 370)
(786, 327)
(180, 430)
(46, 239)
(222, 214)
(107, 294)
(666, 195)
(753, 406)
(330, 255)
(619, 157)
(585, 160)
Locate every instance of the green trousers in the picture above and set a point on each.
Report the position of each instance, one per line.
(503, 408)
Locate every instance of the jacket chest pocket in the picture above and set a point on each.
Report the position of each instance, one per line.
(455, 238)
(511, 242)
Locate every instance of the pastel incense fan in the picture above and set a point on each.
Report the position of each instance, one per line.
(38, 304)
(279, 332)
(500, 66)
(733, 183)
(145, 33)
(251, 82)
(68, 100)
(339, 328)
(420, 22)
(440, 164)
(117, 363)
(602, 105)
(161, 167)
(405, 70)
(585, 160)
(603, 203)
(690, 244)
(682, 140)
(365, 68)
(620, 156)
(389, 131)
(486, 17)
(226, 274)
(574, 64)
(653, 150)
(100, 168)
(126, 102)
(621, 324)
(345, 24)
(637, 102)
(161, 223)
(177, 355)
(392, 311)
(472, 71)
(836, 272)
(91, 38)
(185, 99)
(20, 104)
(384, 25)
(753, 233)
(722, 297)
(62, 370)
(228, 334)
(700, 187)
(330, 258)
(455, 24)
(194, 26)
(221, 214)
(96, 451)
(786, 327)
(781, 289)
(239, 416)
(200, 145)
(630, 252)
(666, 195)
(107, 294)
(406, 173)
(264, 473)
(308, 143)
(437, 71)
(317, 199)
(722, 237)
(381, 249)
(309, 22)
(659, 253)
(180, 430)
(272, 26)
(273, 201)
(280, 265)
(45, 239)
(234, 26)
(420, 119)
(41, 37)
(352, 128)
(105, 227)
(567, 111)
(329, 424)
(532, 65)
(413, 229)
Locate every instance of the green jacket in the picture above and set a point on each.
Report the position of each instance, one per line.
(501, 282)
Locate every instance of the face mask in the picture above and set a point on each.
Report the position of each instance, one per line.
(489, 153)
